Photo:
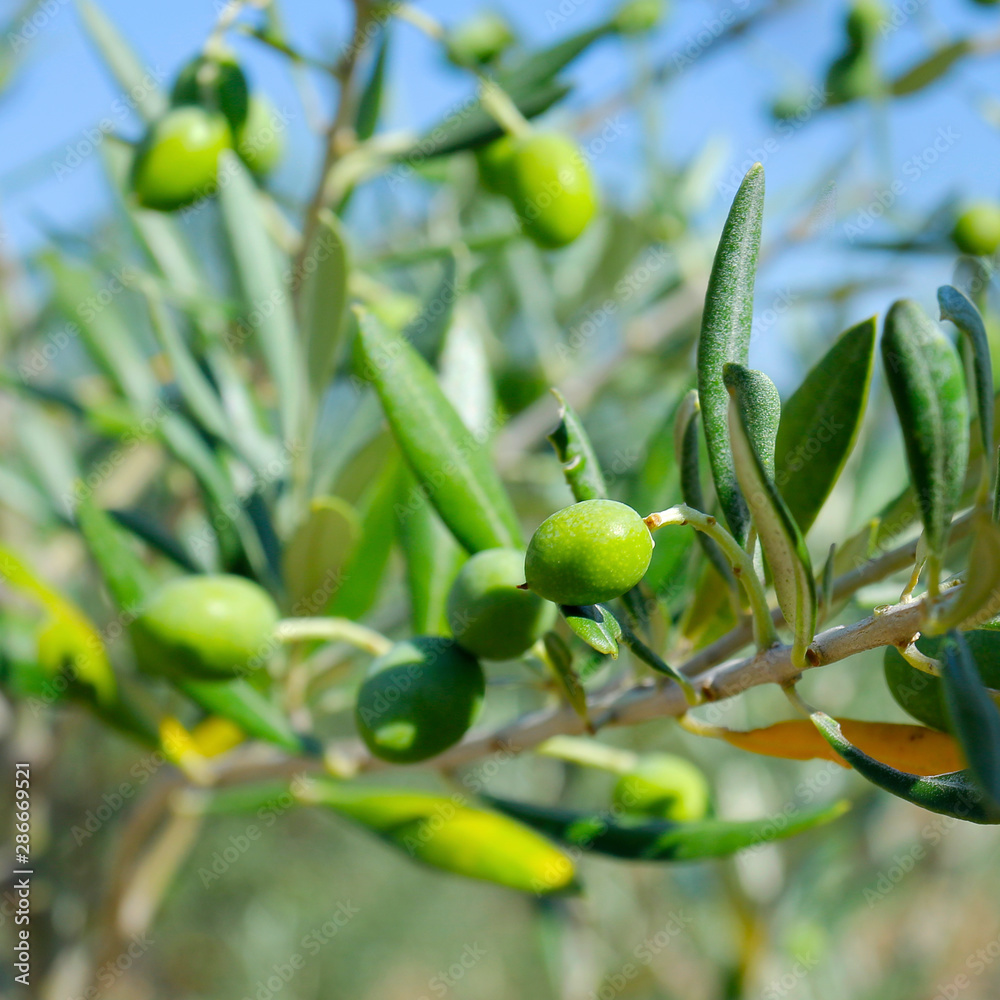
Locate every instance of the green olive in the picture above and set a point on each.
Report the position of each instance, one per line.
(479, 40)
(551, 189)
(977, 229)
(664, 786)
(922, 694)
(418, 699)
(216, 84)
(259, 141)
(211, 626)
(864, 21)
(635, 17)
(590, 552)
(487, 612)
(177, 162)
(494, 162)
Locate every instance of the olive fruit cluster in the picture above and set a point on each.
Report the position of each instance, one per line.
(212, 626)
(590, 552)
(212, 110)
(547, 180)
(977, 229)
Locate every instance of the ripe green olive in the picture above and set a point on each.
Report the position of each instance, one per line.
(177, 162)
(487, 612)
(977, 229)
(211, 626)
(418, 699)
(664, 786)
(635, 17)
(479, 40)
(587, 553)
(259, 141)
(551, 189)
(494, 162)
(216, 84)
(922, 694)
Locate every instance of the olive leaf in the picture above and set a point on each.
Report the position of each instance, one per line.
(427, 331)
(268, 317)
(916, 749)
(979, 598)
(820, 423)
(957, 307)
(725, 336)
(560, 659)
(538, 67)
(931, 69)
(323, 299)
(686, 445)
(952, 794)
(644, 840)
(974, 718)
(574, 450)
(370, 102)
(925, 377)
(595, 625)
(451, 463)
(780, 538)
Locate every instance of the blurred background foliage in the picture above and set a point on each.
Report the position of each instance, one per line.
(877, 127)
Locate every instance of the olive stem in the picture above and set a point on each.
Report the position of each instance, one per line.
(764, 633)
(497, 102)
(697, 727)
(332, 630)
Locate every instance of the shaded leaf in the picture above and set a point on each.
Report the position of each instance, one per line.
(574, 450)
(595, 625)
(370, 101)
(314, 560)
(931, 69)
(561, 660)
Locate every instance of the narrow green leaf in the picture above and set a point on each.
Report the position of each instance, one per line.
(979, 599)
(447, 834)
(323, 300)
(925, 377)
(953, 794)
(269, 318)
(452, 464)
(124, 65)
(538, 67)
(760, 410)
(663, 840)
(784, 547)
(370, 101)
(427, 331)
(820, 423)
(725, 336)
(652, 659)
(595, 625)
(931, 69)
(574, 450)
(957, 307)
(560, 659)
(315, 559)
(974, 718)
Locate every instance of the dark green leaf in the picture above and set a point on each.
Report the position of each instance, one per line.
(931, 69)
(725, 336)
(576, 453)
(595, 625)
(370, 102)
(820, 423)
(561, 660)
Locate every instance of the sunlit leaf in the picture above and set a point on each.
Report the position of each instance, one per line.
(574, 450)
(595, 625)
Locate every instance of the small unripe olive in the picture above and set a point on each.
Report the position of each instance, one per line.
(177, 163)
(418, 699)
(494, 161)
(977, 229)
(216, 83)
(664, 786)
(210, 626)
(864, 20)
(259, 141)
(638, 16)
(587, 553)
(488, 614)
(479, 40)
(551, 189)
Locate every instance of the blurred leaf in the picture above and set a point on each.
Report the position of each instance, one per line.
(323, 300)
(560, 659)
(931, 69)
(452, 464)
(953, 794)
(531, 69)
(780, 538)
(644, 840)
(317, 554)
(123, 64)
(268, 317)
(370, 101)
(974, 718)
(427, 330)
(820, 423)
(595, 625)
(451, 836)
(916, 749)
(725, 336)
(574, 450)
(979, 598)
